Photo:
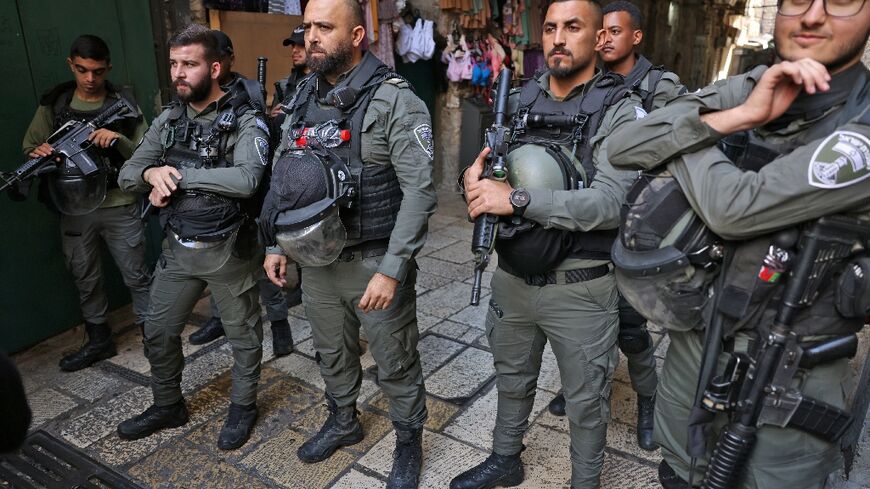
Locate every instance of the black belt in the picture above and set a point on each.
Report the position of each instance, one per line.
(368, 249)
(569, 276)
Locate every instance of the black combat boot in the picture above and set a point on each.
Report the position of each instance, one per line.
(407, 458)
(557, 405)
(669, 479)
(98, 347)
(341, 429)
(154, 419)
(645, 412)
(211, 331)
(238, 426)
(496, 471)
(282, 338)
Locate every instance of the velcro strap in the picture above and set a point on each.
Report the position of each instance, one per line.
(820, 419)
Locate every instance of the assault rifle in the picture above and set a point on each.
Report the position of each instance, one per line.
(758, 391)
(70, 142)
(486, 225)
(261, 75)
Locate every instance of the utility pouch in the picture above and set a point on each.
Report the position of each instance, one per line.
(853, 289)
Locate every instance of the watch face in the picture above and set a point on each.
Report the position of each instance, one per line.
(519, 198)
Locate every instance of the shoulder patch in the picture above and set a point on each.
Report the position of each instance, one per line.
(399, 82)
(423, 132)
(262, 125)
(842, 159)
(262, 149)
(639, 112)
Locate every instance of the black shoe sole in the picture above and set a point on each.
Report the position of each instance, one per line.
(331, 451)
(139, 436)
(508, 480)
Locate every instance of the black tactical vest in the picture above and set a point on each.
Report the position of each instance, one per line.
(196, 143)
(372, 214)
(521, 239)
(635, 78)
(59, 99)
(746, 301)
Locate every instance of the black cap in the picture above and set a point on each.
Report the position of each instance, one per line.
(297, 37)
(224, 44)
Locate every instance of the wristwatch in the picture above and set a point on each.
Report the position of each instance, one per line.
(519, 200)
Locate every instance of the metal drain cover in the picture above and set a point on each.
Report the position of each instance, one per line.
(44, 462)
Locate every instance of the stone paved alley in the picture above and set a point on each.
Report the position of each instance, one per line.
(83, 408)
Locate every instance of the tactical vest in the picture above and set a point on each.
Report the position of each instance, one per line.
(634, 80)
(60, 98)
(372, 213)
(651, 225)
(197, 143)
(525, 247)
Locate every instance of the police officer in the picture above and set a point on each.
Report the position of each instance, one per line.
(274, 298)
(114, 219)
(796, 145)
(202, 159)
(617, 44)
(553, 281)
(366, 125)
(285, 88)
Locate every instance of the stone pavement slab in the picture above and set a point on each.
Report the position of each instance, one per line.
(462, 376)
(85, 407)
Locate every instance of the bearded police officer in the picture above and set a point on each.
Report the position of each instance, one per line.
(273, 297)
(202, 159)
(350, 199)
(553, 281)
(654, 85)
(98, 209)
(795, 148)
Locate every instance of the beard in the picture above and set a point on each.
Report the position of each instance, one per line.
(197, 92)
(331, 64)
(851, 50)
(564, 69)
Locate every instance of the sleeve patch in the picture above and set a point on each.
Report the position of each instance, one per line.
(423, 132)
(639, 113)
(262, 149)
(262, 125)
(842, 159)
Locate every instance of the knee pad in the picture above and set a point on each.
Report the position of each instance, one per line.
(633, 339)
(628, 316)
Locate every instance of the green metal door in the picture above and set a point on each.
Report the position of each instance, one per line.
(37, 296)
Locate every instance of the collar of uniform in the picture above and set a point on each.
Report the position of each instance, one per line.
(212, 107)
(323, 86)
(578, 91)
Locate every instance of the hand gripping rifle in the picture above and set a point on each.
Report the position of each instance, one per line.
(70, 142)
(486, 225)
(759, 391)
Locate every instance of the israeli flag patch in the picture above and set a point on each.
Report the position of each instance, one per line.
(262, 125)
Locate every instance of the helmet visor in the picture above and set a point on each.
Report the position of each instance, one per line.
(316, 244)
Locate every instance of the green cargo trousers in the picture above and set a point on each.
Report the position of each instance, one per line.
(580, 321)
(174, 293)
(782, 458)
(124, 234)
(330, 295)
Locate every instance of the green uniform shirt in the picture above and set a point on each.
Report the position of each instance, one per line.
(595, 207)
(397, 131)
(237, 181)
(738, 204)
(42, 126)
